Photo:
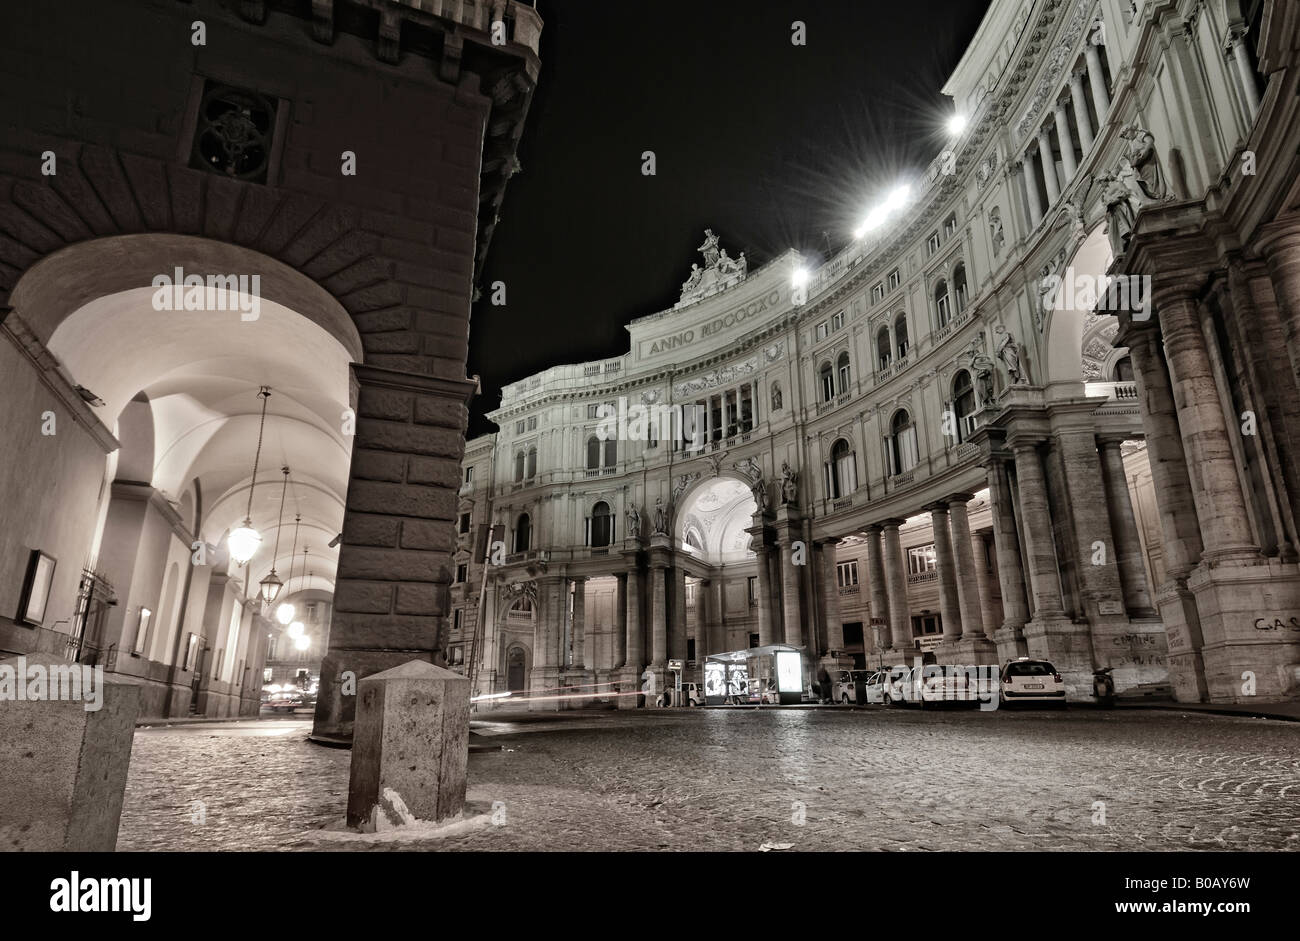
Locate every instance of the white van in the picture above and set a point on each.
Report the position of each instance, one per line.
(692, 695)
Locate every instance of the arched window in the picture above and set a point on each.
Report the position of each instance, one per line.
(1123, 370)
(963, 404)
(531, 470)
(611, 452)
(842, 371)
(942, 305)
(519, 466)
(900, 336)
(600, 527)
(827, 376)
(903, 454)
(523, 533)
(593, 453)
(959, 286)
(882, 348)
(842, 471)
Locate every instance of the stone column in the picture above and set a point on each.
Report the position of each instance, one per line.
(1123, 526)
(395, 566)
(968, 593)
(1031, 191)
(1281, 248)
(1220, 504)
(876, 582)
(1101, 594)
(1081, 111)
(1049, 166)
(990, 611)
(703, 644)
(949, 605)
(1181, 535)
(658, 617)
(1097, 81)
(791, 603)
(1067, 145)
(677, 637)
(1006, 543)
(900, 614)
(620, 621)
(831, 598)
(635, 642)
(766, 631)
(579, 623)
(1044, 573)
(1245, 71)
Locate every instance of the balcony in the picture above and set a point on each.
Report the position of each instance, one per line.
(843, 503)
(849, 589)
(917, 578)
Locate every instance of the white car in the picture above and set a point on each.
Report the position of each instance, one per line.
(846, 685)
(1026, 680)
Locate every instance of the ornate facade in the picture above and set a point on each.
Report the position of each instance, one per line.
(1048, 408)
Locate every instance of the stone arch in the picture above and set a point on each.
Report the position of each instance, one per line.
(717, 510)
(1064, 322)
(98, 193)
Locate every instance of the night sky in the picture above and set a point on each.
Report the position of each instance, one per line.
(772, 145)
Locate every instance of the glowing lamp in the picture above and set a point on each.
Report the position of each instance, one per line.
(243, 542)
(271, 586)
(302, 643)
(296, 629)
(284, 613)
(956, 124)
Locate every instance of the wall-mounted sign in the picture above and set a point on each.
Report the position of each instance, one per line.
(676, 666)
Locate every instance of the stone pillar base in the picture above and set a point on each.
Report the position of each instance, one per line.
(1069, 648)
(1011, 643)
(543, 691)
(974, 652)
(1182, 624)
(1137, 652)
(581, 683)
(1250, 623)
(629, 682)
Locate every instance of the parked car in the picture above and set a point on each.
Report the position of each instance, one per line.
(285, 700)
(878, 686)
(1026, 680)
(847, 683)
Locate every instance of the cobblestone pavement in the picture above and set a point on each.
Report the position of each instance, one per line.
(819, 779)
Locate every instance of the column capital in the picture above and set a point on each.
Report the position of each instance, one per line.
(1112, 441)
(937, 507)
(1078, 75)
(959, 498)
(1043, 134)
(873, 530)
(891, 524)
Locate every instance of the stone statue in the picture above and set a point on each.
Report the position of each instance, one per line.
(789, 484)
(1121, 211)
(776, 398)
(709, 249)
(995, 229)
(982, 366)
(759, 489)
(633, 521)
(1009, 353)
(661, 517)
(1145, 163)
(697, 273)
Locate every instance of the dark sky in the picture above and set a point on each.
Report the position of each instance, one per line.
(768, 143)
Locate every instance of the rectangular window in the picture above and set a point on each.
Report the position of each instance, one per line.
(469, 474)
(927, 625)
(462, 573)
(949, 227)
(823, 331)
(532, 423)
(877, 292)
(921, 559)
(591, 410)
(837, 321)
(932, 243)
(457, 618)
(848, 574)
(519, 427)
(894, 279)
(753, 590)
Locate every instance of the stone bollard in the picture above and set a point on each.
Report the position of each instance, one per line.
(65, 746)
(410, 746)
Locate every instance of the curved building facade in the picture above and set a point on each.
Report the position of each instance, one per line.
(1046, 406)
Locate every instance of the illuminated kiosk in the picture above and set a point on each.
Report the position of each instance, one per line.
(744, 676)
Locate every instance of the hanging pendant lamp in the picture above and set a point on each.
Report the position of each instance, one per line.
(271, 585)
(284, 613)
(243, 542)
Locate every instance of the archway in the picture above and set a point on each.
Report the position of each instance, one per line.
(1076, 337)
(712, 519)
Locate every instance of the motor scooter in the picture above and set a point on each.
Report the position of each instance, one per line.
(1103, 687)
